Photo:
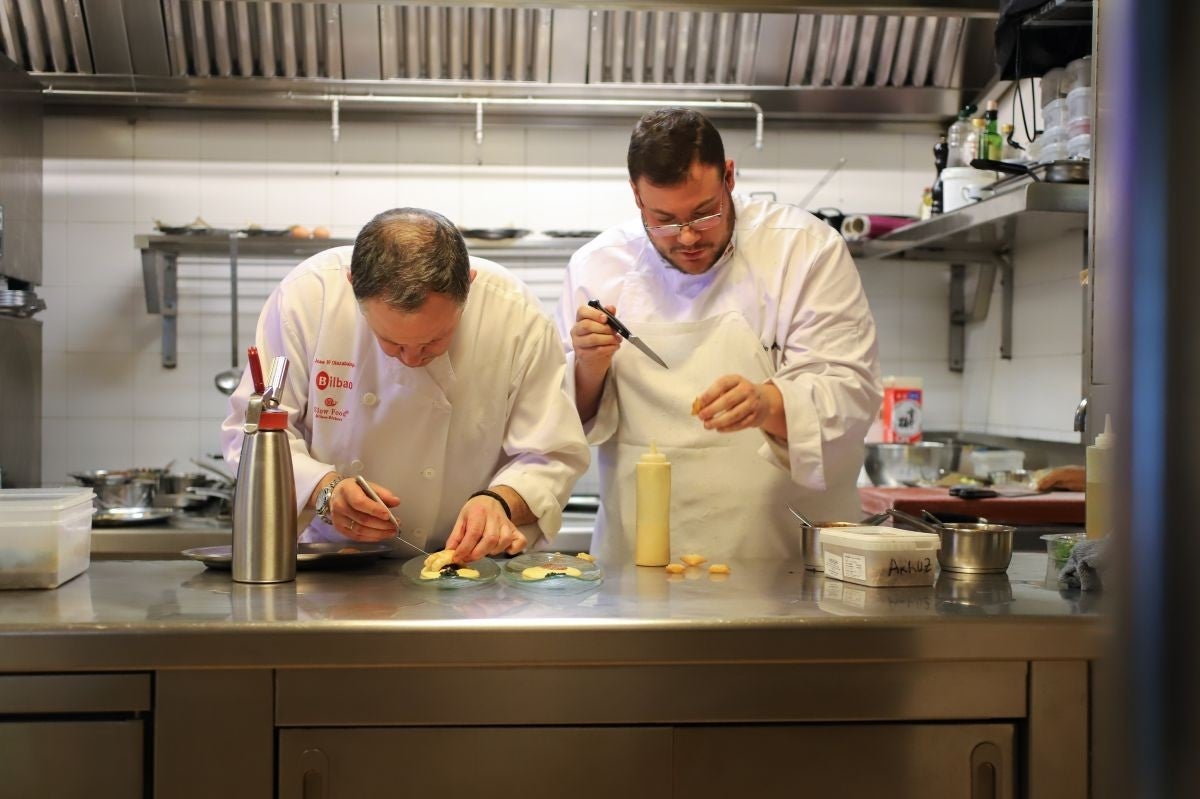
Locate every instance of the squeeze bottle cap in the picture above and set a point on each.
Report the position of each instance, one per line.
(1105, 439)
(653, 456)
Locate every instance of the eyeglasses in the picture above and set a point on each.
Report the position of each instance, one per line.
(697, 225)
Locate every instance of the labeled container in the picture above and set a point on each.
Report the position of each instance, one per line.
(880, 557)
(45, 536)
(653, 545)
(901, 410)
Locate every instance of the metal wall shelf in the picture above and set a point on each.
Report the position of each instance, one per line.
(983, 233)
(160, 257)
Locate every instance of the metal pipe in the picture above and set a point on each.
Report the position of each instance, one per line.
(336, 126)
(478, 123)
(455, 62)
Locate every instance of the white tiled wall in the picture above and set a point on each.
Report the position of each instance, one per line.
(109, 403)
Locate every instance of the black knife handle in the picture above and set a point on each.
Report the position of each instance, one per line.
(613, 321)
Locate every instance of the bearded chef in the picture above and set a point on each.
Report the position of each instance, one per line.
(757, 309)
(431, 372)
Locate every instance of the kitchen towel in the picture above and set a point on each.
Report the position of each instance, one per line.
(1085, 565)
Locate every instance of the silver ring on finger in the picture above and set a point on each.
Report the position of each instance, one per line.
(352, 523)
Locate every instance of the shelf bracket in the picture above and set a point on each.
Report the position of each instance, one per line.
(159, 276)
(961, 316)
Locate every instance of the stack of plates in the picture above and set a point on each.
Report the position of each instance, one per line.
(20, 303)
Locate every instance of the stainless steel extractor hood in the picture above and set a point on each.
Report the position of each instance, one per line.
(878, 61)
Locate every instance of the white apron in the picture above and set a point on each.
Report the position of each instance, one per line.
(727, 500)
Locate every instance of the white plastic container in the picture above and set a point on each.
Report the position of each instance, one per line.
(1055, 114)
(961, 185)
(986, 461)
(1077, 74)
(1052, 85)
(1079, 103)
(1080, 146)
(1080, 126)
(45, 536)
(880, 557)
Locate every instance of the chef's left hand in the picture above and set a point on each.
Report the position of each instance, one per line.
(483, 529)
(734, 403)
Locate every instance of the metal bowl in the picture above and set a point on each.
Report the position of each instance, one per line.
(810, 542)
(976, 548)
(908, 464)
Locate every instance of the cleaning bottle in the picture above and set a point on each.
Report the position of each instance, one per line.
(653, 546)
(956, 137)
(1098, 516)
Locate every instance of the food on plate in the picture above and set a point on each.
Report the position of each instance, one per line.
(440, 564)
(439, 560)
(320, 232)
(696, 406)
(675, 568)
(585, 556)
(693, 560)
(469, 574)
(718, 568)
(299, 232)
(542, 572)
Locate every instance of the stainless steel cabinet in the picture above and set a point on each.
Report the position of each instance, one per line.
(972, 761)
(498, 762)
(70, 759)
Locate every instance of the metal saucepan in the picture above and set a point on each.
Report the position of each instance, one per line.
(978, 548)
(114, 490)
(1052, 172)
(810, 536)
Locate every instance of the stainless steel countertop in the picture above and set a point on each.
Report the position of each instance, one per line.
(176, 614)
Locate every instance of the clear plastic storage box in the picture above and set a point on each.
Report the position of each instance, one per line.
(45, 536)
(880, 556)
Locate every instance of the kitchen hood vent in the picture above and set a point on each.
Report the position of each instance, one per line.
(186, 45)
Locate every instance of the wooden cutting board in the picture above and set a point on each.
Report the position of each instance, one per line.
(1055, 507)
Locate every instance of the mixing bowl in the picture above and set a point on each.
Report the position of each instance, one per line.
(906, 464)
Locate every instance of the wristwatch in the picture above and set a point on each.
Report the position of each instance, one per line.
(323, 497)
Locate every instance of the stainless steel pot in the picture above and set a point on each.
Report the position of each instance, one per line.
(976, 548)
(810, 539)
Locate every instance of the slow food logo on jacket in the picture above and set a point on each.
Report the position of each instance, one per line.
(332, 379)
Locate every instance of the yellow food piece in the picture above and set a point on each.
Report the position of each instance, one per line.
(586, 556)
(430, 575)
(470, 574)
(674, 578)
(535, 573)
(571, 571)
(693, 560)
(439, 560)
(696, 406)
(320, 232)
(717, 578)
(718, 568)
(299, 232)
(675, 568)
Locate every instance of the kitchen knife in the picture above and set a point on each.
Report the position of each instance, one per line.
(370, 492)
(625, 333)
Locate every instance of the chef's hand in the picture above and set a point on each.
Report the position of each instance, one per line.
(483, 529)
(357, 516)
(734, 403)
(594, 342)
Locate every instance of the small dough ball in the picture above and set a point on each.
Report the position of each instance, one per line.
(439, 560)
(320, 232)
(696, 406)
(470, 574)
(718, 568)
(693, 560)
(675, 568)
(585, 556)
(299, 232)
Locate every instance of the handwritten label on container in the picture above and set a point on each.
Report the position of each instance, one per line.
(909, 566)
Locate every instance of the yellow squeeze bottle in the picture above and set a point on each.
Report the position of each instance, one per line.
(653, 509)
(1098, 514)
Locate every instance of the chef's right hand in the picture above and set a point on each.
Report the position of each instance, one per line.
(594, 342)
(357, 516)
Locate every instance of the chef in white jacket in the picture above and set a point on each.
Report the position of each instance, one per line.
(758, 311)
(434, 375)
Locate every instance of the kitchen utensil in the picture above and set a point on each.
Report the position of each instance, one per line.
(317, 555)
(800, 517)
(487, 568)
(117, 490)
(122, 516)
(370, 492)
(493, 234)
(1061, 171)
(625, 333)
(976, 548)
(572, 234)
(905, 464)
(923, 526)
(227, 381)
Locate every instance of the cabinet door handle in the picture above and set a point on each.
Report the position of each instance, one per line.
(314, 766)
(986, 765)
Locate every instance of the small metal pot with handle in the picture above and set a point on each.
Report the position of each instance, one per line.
(974, 548)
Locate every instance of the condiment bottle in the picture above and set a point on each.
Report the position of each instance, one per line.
(653, 546)
(1099, 477)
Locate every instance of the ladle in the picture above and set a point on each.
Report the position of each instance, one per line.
(800, 517)
(228, 380)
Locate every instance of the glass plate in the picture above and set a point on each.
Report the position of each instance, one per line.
(590, 574)
(488, 572)
(316, 555)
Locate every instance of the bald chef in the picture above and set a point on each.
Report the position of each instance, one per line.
(758, 310)
(432, 372)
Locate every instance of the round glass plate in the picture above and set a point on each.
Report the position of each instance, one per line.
(487, 568)
(317, 555)
(557, 578)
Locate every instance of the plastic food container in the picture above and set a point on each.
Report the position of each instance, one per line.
(1056, 114)
(45, 536)
(1052, 85)
(880, 557)
(1080, 146)
(1059, 546)
(1078, 126)
(1079, 103)
(1077, 74)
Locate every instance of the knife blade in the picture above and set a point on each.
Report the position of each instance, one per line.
(626, 334)
(370, 492)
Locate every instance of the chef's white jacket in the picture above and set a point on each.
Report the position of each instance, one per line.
(791, 277)
(491, 410)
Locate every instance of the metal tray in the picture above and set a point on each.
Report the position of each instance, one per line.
(321, 555)
(121, 517)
